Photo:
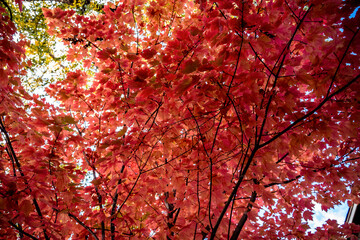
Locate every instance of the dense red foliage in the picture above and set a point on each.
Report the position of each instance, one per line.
(189, 120)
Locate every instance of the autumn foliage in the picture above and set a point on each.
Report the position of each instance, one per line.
(187, 120)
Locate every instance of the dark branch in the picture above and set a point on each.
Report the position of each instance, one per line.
(244, 217)
(83, 225)
(22, 231)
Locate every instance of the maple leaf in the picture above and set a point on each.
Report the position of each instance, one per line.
(308, 215)
(148, 53)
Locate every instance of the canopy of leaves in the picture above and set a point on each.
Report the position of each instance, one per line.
(187, 120)
(44, 51)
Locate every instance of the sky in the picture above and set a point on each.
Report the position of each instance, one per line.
(320, 217)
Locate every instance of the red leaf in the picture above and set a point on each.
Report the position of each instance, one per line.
(148, 53)
(308, 215)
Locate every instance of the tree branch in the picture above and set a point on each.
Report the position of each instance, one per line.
(22, 231)
(9, 144)
(244, 217)
(257, 142)
(309, 113)
(83, 225)
(341, 60)
(233, 193)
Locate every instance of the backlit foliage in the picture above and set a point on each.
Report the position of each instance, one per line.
(186, 120)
